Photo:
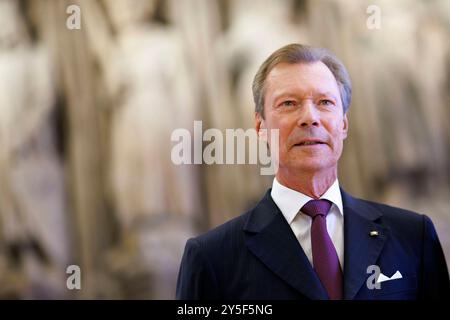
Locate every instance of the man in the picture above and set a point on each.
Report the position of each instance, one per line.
(307, 238)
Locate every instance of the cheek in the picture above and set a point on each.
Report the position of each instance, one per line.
(284, 141)
(284, 135)
(336, 130)
(338, 143)
(338, 147)
(283, 131)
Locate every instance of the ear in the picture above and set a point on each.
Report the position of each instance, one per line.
(260, 126)
(344, 126)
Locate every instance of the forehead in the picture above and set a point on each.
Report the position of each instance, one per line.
(306, 77)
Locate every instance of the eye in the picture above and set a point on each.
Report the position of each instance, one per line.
(288, 103)
(326, 102)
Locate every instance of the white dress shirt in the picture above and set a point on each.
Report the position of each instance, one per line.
(290, 202)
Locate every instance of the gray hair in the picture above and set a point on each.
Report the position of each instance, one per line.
(298, 53)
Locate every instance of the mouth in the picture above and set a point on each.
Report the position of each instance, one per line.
(308, 143)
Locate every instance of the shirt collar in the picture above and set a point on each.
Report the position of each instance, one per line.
(291, 201)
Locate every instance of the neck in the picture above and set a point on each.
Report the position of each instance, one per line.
(312, 184)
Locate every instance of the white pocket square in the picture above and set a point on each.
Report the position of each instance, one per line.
(383, 278)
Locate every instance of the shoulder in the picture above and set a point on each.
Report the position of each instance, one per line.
(231, 235)
(397, 218)
(396, 213)
(222, 237)
(411, 223)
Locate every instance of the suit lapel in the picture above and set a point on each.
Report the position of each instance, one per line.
(270, 238)
(361, 249)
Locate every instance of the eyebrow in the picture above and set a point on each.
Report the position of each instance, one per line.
(329, 94)
(289, 93)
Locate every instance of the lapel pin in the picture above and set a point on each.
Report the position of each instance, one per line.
(373, 233)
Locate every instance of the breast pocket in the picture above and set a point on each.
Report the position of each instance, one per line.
(398, 289)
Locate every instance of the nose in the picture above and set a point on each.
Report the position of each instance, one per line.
(308, 115)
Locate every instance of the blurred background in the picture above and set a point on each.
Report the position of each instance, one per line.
(86, 116)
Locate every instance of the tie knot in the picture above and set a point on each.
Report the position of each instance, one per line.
(316, 207)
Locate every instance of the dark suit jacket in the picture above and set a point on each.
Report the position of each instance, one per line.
(257, 256)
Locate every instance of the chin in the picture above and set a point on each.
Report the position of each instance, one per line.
(306, 166)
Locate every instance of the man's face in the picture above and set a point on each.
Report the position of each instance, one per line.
(303, 102)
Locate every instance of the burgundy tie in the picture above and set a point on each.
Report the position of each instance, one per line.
(325, 258)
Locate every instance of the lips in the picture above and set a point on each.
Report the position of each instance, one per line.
(309, 142)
